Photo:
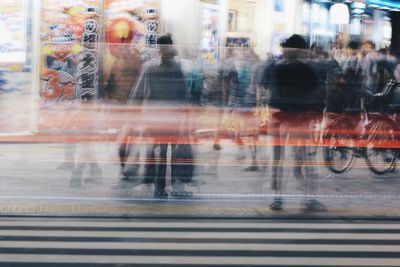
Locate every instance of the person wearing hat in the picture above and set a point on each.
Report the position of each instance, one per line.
(294, 101)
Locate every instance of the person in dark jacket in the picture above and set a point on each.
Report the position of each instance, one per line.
(296, 100)
(162, 84)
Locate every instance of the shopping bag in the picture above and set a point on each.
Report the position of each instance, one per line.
(182, 163)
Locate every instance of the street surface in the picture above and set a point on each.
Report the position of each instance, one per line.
(32, 183)
(66, 242)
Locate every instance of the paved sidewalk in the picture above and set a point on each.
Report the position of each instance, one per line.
(31, 184)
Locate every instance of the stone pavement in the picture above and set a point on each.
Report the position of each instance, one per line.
(31, 183)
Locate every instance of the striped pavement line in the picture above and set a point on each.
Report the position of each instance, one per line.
(196, 246)
(227, 235)
(203, 225)
(205, 261)
(165, 209)
(194, 242)
(86, 195)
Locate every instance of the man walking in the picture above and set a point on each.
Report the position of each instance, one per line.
(162, 84)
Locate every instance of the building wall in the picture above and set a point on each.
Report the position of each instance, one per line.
(270, 23)
(182, 18)
(256, 18)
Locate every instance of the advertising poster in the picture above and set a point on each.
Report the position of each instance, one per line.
(209, 41)
(131, 31)
(70, 35)
(15, 85)
(13, 23)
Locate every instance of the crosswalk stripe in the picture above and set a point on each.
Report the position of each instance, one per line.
(227, 235)
(210, 261)
(197, 246)
(195, 243)
(221, 225)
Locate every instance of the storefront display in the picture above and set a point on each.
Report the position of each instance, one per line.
(238, 41)
(70, 35)
(13, 32)
(209, 41)
(132, 28)
(92, 48)
(15, 76)
(133, 23)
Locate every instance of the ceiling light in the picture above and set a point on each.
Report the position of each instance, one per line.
(339, 14)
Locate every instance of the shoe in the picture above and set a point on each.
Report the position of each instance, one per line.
(217, 147)
(251, 168)
(277, 204)
(314, 205)
(160, 194)
(181, 194)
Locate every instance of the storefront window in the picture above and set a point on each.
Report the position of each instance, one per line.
(387, 29)
(13, 32)
(16, 81)
(210, 32)
(355, 26)
(70, 34)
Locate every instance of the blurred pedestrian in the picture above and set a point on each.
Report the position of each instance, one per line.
(297, 102)
(162, 84)
(352, 75)
(125, 71)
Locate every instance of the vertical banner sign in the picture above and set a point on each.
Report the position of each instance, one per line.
(89, 67)
(150, 18)
(70, 50)
(132, 27)
(152, 29)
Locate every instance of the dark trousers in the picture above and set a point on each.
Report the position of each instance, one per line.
(304, 156)
(181, 169)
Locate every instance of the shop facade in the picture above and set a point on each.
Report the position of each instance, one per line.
(65, 50)
(357, 20)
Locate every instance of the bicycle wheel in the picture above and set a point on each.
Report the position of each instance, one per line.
(338, 155)
(380, 158)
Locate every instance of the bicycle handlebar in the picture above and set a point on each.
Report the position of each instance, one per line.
(387, 89)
